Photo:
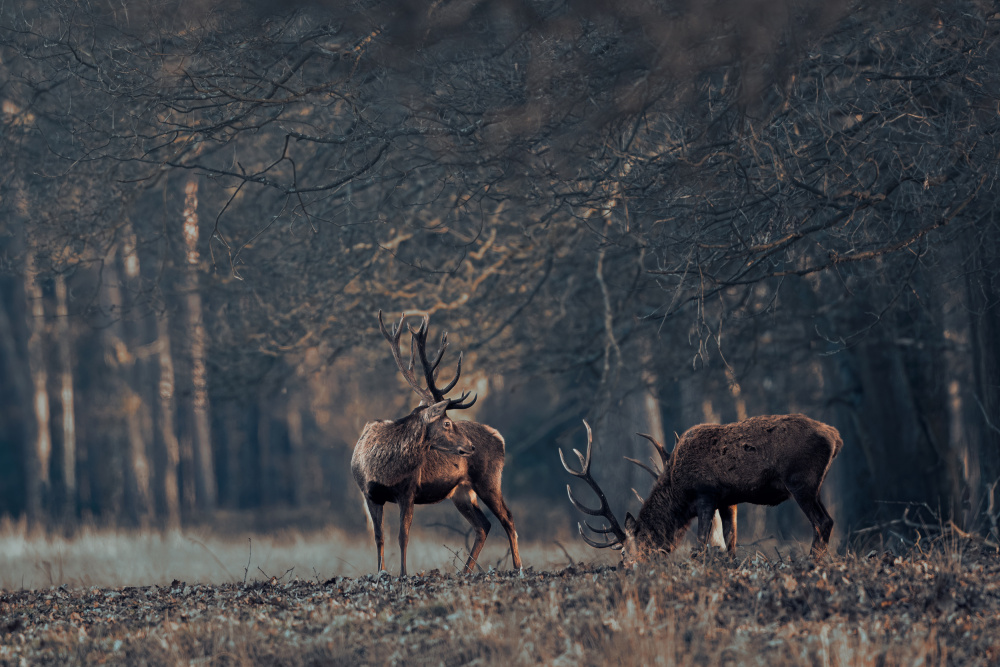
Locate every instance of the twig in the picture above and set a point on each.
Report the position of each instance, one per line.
(246, 570)
(986, 417)
(991, 504)
(210, 553)
(458, 557)
(569, 558)
(439, 524)
(939, 531)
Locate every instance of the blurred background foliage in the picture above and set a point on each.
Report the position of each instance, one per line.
(649, 215)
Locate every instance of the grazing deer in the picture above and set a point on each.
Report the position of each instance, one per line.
(426, 457)
(761, 460)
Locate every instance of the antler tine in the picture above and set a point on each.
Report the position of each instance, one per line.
(603, 530)
(645, 467)
(418, 340)
(660, 449)
(407, 370)
(460, 403)
(614, 544)
(442, 346)
(580, 506)
(605, 509)
(458, 370)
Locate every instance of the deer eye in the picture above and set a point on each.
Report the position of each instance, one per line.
(447, 423)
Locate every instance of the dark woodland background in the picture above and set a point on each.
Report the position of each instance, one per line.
(645, 214)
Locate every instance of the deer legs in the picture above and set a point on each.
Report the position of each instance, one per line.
(405, 519)
(820, 519)
(465, 501)
(375, 512)
(494, 500)
(706, 514)
(728, 515)
(707, 524)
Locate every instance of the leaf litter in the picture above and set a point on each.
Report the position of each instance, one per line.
(882, 609)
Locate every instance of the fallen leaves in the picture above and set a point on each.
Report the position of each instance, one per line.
(851, 610)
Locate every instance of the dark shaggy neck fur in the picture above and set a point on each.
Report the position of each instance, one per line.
(664, 517)
(390, 451)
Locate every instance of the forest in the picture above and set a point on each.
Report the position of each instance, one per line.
(648, 215)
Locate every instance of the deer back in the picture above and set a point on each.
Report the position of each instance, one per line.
(751, 456)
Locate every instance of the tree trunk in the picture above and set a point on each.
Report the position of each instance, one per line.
(201, 432)
(40, 450)
(19, 382)
(265, 465)
(66, 399)
(983, 285)
(166, 431)
(296, 445)
(121, 350)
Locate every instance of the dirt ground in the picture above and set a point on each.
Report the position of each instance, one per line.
(939, 608)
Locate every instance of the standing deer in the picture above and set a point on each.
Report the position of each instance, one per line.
(761, 460)
(426, 457)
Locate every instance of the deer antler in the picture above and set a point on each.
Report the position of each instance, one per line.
(418, 340)
(660, 449)
(605, 509)
(649, 469)
(407, 370)
(418, 343)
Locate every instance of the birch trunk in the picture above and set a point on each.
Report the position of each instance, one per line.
(204, 468)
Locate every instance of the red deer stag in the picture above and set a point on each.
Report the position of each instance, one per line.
(426, 457)
(761, 460)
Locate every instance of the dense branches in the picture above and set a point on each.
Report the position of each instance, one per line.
(593, 194)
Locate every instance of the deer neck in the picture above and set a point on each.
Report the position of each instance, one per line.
(664, 517)
(399, 449)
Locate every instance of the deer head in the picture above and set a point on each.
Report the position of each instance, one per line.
(442, 435)
(634, 543)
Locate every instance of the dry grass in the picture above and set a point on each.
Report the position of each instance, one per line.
(934, 608)
(122, 558)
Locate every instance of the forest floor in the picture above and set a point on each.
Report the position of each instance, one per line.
(937, 607)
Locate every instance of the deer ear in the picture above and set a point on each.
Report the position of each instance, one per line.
(435, 412)
(629, 523)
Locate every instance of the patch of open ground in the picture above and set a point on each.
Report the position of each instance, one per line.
(940, 608)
